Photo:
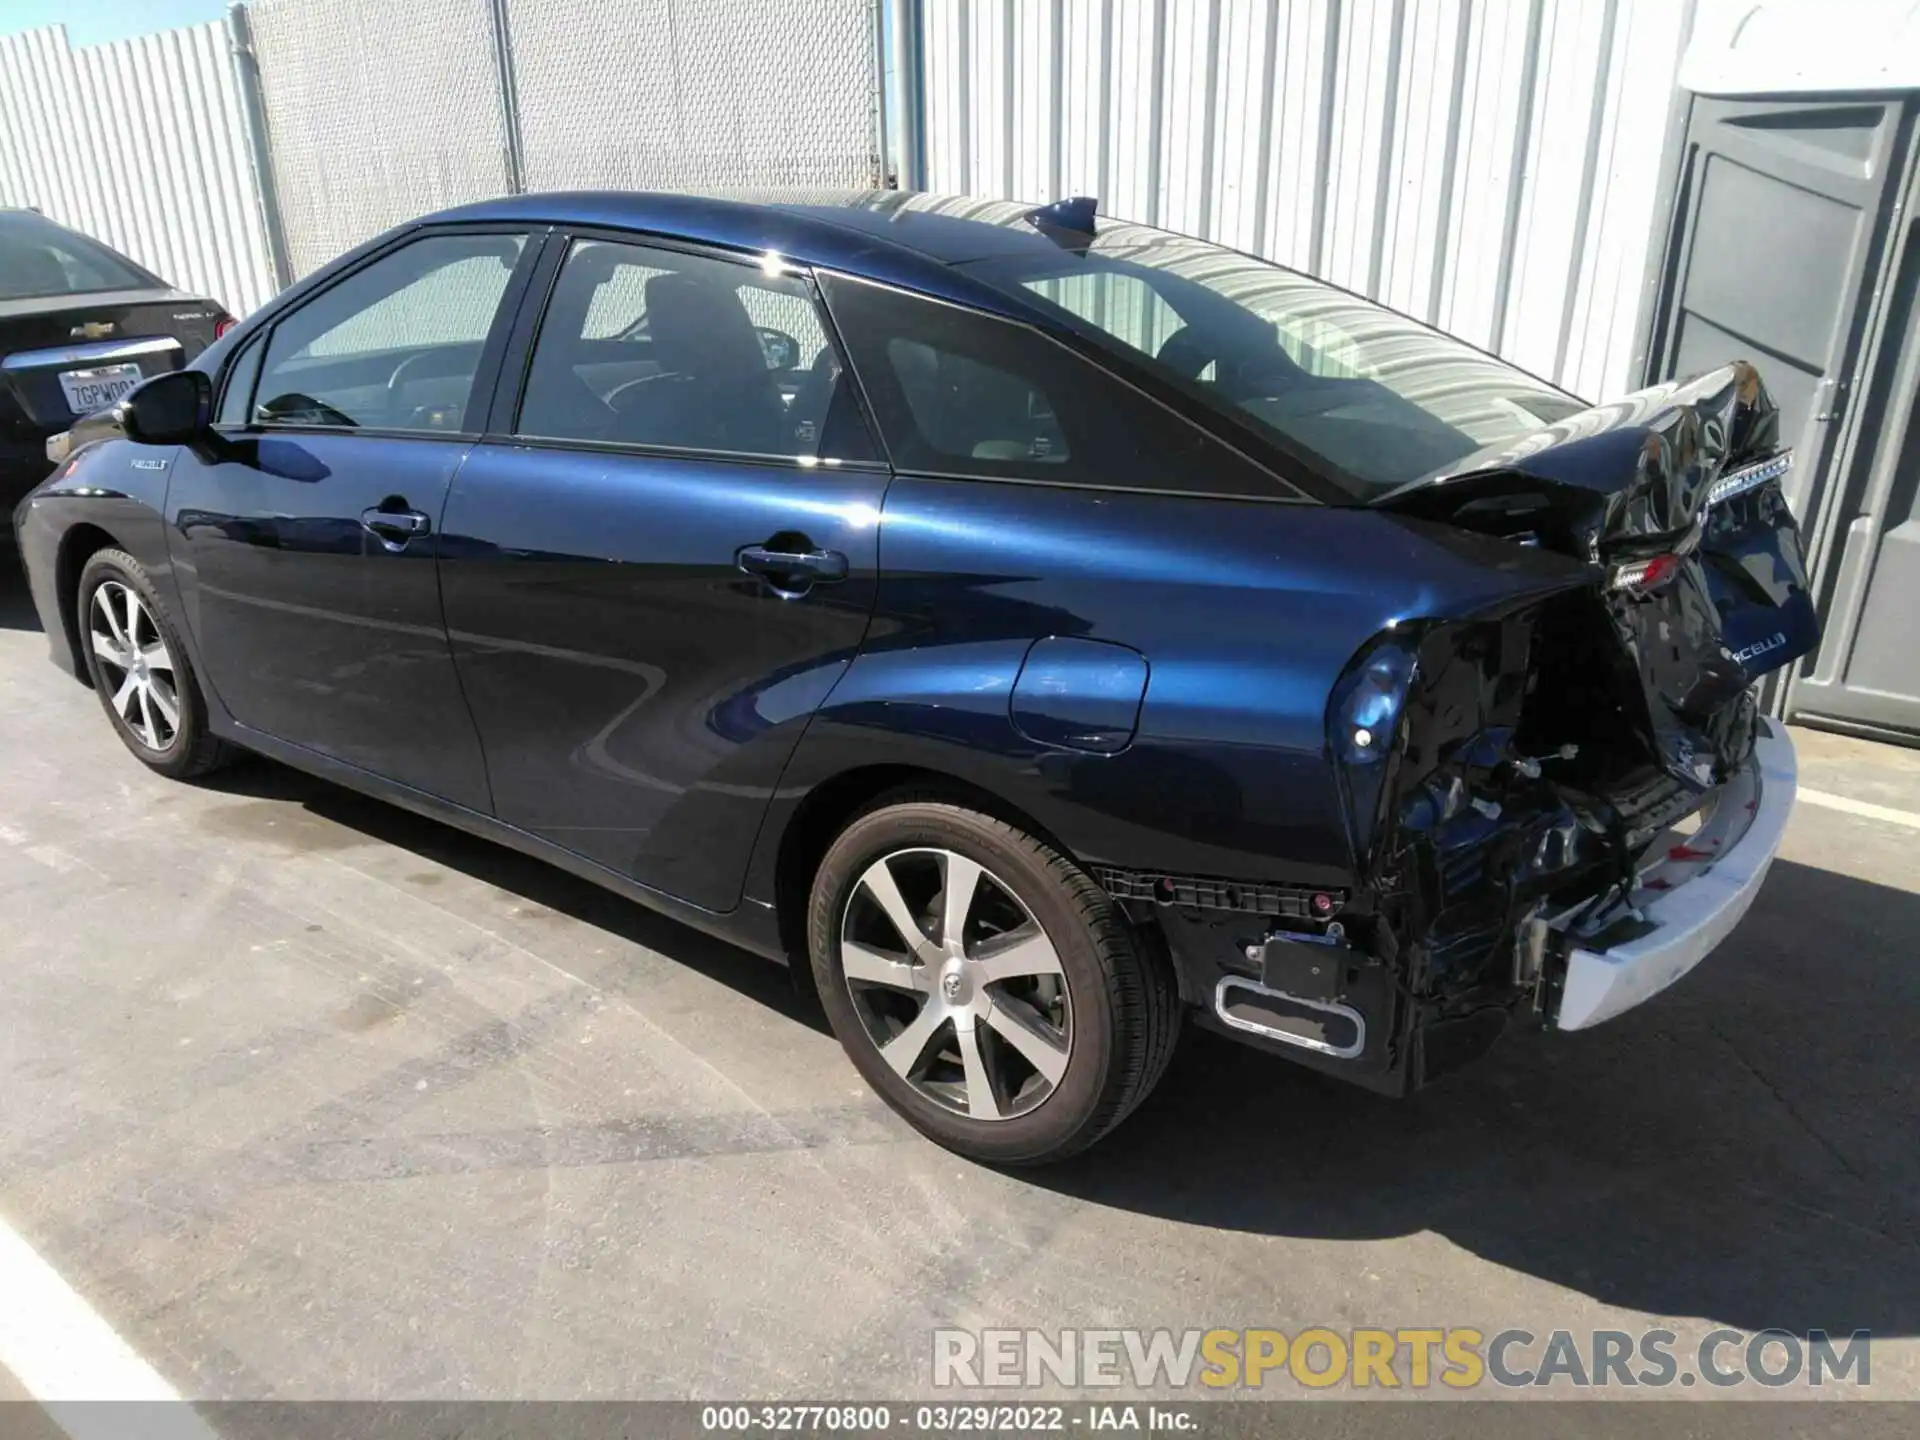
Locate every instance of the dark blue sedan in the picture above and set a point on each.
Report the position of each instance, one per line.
(1041, 628)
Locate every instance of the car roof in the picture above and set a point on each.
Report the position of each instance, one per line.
(910, 238)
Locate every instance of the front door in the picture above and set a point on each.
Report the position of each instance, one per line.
(306, 536)
(656, 577)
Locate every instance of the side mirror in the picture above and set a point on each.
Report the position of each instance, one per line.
(171, 409)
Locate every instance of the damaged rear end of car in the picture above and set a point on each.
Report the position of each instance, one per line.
(1559, 804)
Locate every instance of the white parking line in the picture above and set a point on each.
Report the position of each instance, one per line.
(1861, 808)
(65, 1356)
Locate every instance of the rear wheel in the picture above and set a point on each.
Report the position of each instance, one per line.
(983, 984)
(140, 670)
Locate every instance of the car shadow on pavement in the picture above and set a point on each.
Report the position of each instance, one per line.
(1741, 1149)
(16, 605)
(788, 992)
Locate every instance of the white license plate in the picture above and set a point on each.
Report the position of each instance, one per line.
(91, 390)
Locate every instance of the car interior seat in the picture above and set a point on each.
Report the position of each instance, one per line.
(714, 390)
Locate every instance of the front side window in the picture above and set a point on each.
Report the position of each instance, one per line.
(394, 346)
(651, 347)
(39, 259)
(236, 396)
(959, 392)
(1377, 398)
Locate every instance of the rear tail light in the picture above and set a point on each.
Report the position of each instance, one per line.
(222, 325)
(1644, 575)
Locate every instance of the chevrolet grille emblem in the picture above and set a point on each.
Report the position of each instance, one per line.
(92, 330)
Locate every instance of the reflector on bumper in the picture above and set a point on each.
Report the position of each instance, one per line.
(1724, 865)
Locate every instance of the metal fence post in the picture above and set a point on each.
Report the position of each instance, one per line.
(886, 176)
(246, 70)
(509, 97)
(905, 105)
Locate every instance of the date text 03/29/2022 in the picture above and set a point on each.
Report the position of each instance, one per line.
(964, 1417)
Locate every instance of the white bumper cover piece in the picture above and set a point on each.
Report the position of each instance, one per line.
(1692, 897)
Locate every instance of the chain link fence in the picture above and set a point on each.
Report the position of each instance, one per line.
(695, 94)
(377, 112)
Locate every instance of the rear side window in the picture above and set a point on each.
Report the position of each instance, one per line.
(659, 348)
(958, 392)
(39, 258)
(395, 345)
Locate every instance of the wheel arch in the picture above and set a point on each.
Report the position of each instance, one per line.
(827, 807)
(79, 544)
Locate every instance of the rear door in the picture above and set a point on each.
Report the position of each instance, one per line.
(306, 539)
(664, 557)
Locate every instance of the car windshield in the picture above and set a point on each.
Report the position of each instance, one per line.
(39, 259)
(1368, 395)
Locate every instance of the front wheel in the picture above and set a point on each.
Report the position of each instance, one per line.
(983, 984)
(140, 669)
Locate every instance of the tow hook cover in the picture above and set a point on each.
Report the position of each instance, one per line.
(1307, 966)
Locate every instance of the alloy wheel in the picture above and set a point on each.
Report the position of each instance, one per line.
(956, 983)
(136, 664)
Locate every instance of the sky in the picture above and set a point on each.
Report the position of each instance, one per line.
(89, 22)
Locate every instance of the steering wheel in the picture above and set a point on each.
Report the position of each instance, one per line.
(295, 408)
(396, 382)
(614, 400)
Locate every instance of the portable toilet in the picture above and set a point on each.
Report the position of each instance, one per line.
(1792, 190)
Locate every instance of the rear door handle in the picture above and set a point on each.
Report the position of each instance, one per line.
(395, 527)
(791, 573)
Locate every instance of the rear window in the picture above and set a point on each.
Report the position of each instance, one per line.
(39, 259)
(961, 393)
(1375, 398)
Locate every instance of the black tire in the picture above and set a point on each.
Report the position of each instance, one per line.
(187, 746)
(1125, 1008)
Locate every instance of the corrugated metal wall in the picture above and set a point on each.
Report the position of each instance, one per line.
(1488, 165)
(140, 143)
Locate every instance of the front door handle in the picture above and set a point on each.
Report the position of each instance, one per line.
(792, 573)
(393, 524)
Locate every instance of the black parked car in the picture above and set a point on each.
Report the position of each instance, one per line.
(80, 326)
(1044, 627)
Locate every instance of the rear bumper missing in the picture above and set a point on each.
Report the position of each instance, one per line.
(1688, 902)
